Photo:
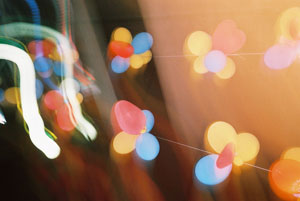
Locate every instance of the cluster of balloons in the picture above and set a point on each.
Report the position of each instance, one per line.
(230, 148)
(125, 51)
(47, 59)
(132, 126)
(285, 52)
(284, 175)
(213, 51)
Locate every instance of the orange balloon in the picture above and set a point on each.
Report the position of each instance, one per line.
(284, 179)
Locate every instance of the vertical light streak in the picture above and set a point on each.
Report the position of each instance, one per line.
(28, 100)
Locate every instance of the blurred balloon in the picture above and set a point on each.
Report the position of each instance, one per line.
(119, 64)
(58, 68)
(284, 177)
(215, 61)
(149, 120)
(46, 47)
(39, 87)
(199, 66)
(64, 119)
(228, 71)
(121, 49)
(128, 118)
(247, 147)
(42, 64)
(12, 94)
(122, 34)
(142, 42)
(136, 61)
(208, 173)
(147, 56)
(53, 100)
(292, 153)
(226, 156)
(147, 146)
(280, 56)
(199, 43)
(288, 25)
(124, 143)
(227, 37)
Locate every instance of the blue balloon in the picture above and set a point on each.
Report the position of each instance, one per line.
(42, 64)
(149, 120)
(119, 64)
(147, 146)
(142, 42)
(58, 68)
(215, 61)
(1, 95)
(39, 87)
(208, 173)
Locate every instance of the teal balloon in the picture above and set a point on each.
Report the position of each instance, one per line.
(142, 42)
(147, 146)
(149, 120)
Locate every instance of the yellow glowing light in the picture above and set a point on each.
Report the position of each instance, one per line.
(122, 34)
(199, 43)
(228, 71)
(288, 23)
(54, 55)
(11, 95)
(219, 134)
(136, 61)
(124, 143)
(147, 56)
(292, 153)
(247, 147)
(79, 97)
(199, 65)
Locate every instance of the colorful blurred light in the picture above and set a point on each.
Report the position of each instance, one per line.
(147, 146)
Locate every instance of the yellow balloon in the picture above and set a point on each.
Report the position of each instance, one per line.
(228, 71)
(122, 34)
(292, 153)
(289, 22)
(11, 95)
(79, 97)
(247, 147)
(199, 43)
(136, 61)
(199, 66)
(147, 56)
(219, 134)
(124, 143)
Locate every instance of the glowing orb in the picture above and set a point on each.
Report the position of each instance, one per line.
(147, 146)
(228, 71)
(53, 100)
(284, 179)
(136, 61)
(147, 56)
(39, 87)
(199, 65)
(208, 173)
(58, 68)
(119, 64)
(142, 42)
(226, 156)
(42, 64)
(149, 120)
(199, 43)
(215, 61)
(292, 154)
(124, 143)
(122, 34)
(121, 49)
(12, 94)
(129, 118)
(63, 117)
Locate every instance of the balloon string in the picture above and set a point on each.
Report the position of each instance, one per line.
(207, 152)
(192, 55)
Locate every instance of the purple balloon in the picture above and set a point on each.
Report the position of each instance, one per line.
(215, 61)
(280, 56)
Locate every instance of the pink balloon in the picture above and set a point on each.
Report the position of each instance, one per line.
(280, 56)
(128, 118)
(227, 37)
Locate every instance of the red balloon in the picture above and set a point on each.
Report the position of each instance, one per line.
(128, 118)
(63, 118)
(45, 46)
(120, 48)
(226, 156)
(53, 100)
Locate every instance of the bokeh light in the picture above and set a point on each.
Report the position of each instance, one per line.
(199, 66)
(39, 87)
(147, 146)
(11, 95)
(119, 64)
(124, 143)
(122, 34)
(247, 147)
(149, 120)
(121, 49)
(42, 64)
(53, 100)
(292, 154)
(208, 173)
(142, 42)
(215, 61)
(199, 43)
(136, 61)
(228, 71)
(64, 119)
